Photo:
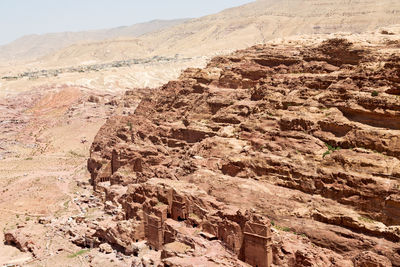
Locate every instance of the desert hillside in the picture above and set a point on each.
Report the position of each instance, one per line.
(241, 27)
(33, 46)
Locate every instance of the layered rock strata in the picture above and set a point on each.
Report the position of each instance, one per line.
(307, 137)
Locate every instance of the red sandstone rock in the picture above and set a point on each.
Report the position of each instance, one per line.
(316, 128)
(370, 259)
(22, 241)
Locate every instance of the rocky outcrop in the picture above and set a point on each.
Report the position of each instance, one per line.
(164, 213)
(317, 124)
(371, 259)
(22, 241)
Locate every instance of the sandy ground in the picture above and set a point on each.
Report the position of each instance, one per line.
(44, 185)
(47, 126)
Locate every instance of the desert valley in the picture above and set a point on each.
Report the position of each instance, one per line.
(264, 135)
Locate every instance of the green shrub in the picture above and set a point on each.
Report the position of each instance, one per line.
(130, 126)
(80, 252)
(365, 219)
(330, 150)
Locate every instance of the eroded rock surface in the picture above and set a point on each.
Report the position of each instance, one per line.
(305, 138)
(22, 241)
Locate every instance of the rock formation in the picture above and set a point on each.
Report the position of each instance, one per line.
(22, 241)
(306, 138)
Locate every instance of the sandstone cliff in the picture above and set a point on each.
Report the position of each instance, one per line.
(305, 138)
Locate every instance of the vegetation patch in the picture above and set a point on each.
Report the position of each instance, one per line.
(76, 154)
(160, 204)
(130, 126)
(330, 150)
(281, 228)
(365, 219)
(80, 252)
(194, 216)
(374, 93)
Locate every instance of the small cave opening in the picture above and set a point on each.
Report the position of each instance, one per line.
(10, 243)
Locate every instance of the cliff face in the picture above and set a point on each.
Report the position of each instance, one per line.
(305, 136)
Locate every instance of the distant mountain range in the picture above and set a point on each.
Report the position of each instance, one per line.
(230, 29)
(34, 46)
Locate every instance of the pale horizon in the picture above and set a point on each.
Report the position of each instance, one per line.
(25, 17)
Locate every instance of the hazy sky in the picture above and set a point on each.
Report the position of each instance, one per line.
(22, 17)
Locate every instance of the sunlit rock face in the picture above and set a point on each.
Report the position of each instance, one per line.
(304, 136)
